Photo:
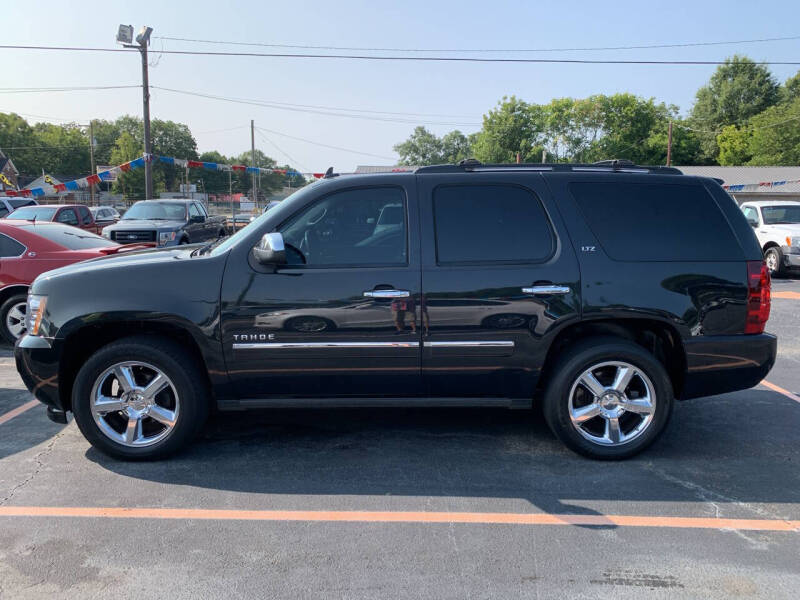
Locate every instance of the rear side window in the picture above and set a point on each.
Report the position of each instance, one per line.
(652, 222)
(10, 248)
(67, 216)
(490, 223)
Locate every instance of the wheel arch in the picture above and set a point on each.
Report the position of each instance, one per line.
(657, 337)
(770, 244)
(82, 343)
(11, 290)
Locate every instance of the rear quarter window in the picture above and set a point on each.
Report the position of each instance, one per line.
(656, 222)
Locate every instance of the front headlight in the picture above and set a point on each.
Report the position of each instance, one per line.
(106, 233)
(165, 236)
(793, 241)
(35, 313)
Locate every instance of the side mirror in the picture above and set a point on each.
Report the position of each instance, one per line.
(197, 219)
(270, 250)
(753, 223)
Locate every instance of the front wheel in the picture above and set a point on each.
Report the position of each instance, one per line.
(774, 259)
(608, 399)
(140, 398)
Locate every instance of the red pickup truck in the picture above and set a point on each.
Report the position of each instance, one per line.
(77, 215)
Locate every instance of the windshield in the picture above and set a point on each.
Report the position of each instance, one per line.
(28, 213)
(157, 211)
(776, 215)
(69, 237)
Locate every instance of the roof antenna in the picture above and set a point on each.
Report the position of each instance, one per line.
(330, 174)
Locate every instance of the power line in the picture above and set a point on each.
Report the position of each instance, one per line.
(585, 49)
(462, 59)
(65, 89)
(299, 108)
(292, 137)
(269, 141)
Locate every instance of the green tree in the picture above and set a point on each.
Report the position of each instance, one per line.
(131, 184)
(738, 90)
(734, 146)
(64, 149)
(425, 148)
(791, 89)
(512, 127)
(17, 142)
(776, 135)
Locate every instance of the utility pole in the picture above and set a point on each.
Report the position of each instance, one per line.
(125, 37)
(230, 199)
(518, 158)
(669, 145)
(91, 160)
(253, 158)
(148, 148)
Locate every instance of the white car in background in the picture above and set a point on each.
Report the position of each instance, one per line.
(777, 227)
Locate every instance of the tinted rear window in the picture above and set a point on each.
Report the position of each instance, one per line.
(69, 237)
(656, 222)
(490, 223)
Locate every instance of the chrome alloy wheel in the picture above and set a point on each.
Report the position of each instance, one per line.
(15, 320)
(771, 258)
(612, 403)
(134, 404)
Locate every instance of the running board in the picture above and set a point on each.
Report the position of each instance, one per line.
(378, 402)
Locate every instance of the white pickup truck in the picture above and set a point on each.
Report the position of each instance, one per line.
(777, 226)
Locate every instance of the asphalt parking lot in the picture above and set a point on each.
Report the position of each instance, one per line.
(413, 503)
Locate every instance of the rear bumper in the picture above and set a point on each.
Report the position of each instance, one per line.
(727, 363)
(37, 363)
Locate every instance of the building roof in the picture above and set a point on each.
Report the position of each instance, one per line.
(751, 175)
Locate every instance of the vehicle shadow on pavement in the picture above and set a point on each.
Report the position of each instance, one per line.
(708, 453)
(27, 429)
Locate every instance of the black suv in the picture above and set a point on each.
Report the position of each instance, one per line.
(602, 291)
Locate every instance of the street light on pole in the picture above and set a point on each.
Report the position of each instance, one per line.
(125, 37)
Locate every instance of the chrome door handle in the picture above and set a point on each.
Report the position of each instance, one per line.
(387, 294)
(546, 289)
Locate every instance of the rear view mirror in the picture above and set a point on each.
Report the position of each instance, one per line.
(270, 250)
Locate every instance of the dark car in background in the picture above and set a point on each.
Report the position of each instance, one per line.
(29, 249)
(77, 215)
(166, 222)
(604, 292)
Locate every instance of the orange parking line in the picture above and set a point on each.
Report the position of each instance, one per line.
(780, 390)
(400, 517)
(17, 411)
(789, 295)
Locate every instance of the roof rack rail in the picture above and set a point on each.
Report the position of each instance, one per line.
(604, 166)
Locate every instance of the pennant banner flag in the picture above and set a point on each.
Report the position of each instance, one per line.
(739, 187)
(112, 173)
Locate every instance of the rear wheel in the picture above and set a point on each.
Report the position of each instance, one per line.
(140, 398)
(608, 399)
(774, 259)
(12, 318)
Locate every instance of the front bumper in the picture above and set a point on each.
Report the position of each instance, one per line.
(38, 361)
(726, 363)
(791, 257)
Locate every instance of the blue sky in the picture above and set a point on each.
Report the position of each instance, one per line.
(465, 91)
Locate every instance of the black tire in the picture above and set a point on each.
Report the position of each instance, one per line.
(5, 309)
(775, 256)
(581, 357)
(176, 363)
(310, 324)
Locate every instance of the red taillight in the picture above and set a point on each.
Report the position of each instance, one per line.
(758, 296)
